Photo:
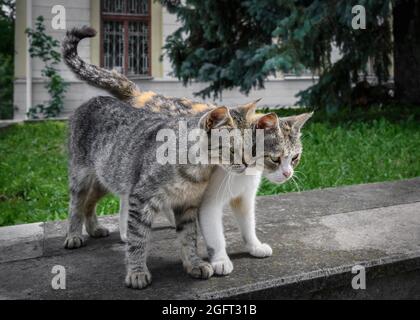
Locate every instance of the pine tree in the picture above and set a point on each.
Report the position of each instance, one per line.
(7, 26)
(239, 43)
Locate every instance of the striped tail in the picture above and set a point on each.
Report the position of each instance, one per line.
(112, 81)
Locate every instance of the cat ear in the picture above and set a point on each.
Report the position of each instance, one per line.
(249, 109)
(296, 122)
(301, 120)
(268, 121)
(216, 118)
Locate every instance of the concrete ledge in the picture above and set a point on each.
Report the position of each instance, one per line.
(21, 242)
(317, 237)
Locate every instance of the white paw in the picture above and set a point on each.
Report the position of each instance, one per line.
(124, 237)
(261, 250)
(222, 267)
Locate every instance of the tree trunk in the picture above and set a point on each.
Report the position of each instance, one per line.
(406, 16)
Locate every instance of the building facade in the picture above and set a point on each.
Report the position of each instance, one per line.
(130, 37)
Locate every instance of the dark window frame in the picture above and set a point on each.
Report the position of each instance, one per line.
(126, 19)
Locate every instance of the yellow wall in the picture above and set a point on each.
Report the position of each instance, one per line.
(157, 66)
(95, 22)
(20, 39)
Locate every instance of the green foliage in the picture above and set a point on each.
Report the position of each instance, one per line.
(45, 47)
(240, 43)
(7, 18)
(7, 26)
(6, 86)
(384, 145)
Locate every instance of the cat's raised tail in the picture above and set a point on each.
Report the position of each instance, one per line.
(115, 83)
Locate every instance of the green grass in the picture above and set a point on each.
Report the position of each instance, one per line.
(347, 149)
(33, 174)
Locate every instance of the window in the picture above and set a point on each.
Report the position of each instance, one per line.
(126, 36)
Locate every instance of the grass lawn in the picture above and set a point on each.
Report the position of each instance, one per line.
(351, 148)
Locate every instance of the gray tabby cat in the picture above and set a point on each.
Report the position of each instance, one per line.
(113, 149)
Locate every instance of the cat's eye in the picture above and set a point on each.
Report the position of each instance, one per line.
(275, 159)
(295, 158)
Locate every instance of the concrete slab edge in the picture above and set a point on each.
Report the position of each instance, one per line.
(410, 260)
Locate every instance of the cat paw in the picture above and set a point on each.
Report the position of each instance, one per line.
(124, 238)
(74, 242)
(138, 280)
(203, 270)
(222, 267)
(261, 250)
(98, 232)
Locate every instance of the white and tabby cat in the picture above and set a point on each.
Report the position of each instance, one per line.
(280, 161)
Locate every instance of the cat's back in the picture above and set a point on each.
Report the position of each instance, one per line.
(102, 108)
(106, 122)
(108, 114)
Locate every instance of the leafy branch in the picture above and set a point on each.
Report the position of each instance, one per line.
(45, 47)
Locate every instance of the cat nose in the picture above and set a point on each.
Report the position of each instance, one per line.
(287, 174)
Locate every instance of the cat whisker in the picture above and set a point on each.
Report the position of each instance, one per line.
(226, 187)
(297, 186)
(298, 178)
(230, 186)
(301, 180)
(300, 172)
(220, 186)
(218, 189)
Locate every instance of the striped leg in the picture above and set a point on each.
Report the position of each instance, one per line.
(186, 227)
(123, 217)
(85, 192)
(93, 228)
(141, 212)
(74, 238)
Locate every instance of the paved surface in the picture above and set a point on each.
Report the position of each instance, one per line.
(316, 236)
(7, 123)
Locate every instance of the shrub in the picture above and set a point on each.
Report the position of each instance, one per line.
(44, 47)
(6, 86)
